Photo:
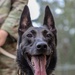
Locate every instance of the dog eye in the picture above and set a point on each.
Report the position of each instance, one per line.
(29, 35)
(48, 35)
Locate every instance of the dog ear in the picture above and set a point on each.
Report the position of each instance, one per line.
(48, 19)
(49, 22)
(25, 21)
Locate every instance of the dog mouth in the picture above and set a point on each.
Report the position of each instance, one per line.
(38, 63)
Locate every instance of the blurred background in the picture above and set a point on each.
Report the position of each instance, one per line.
(64, 15)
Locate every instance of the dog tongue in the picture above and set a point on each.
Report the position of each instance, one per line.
(39, 63)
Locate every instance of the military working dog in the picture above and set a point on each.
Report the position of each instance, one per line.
(36, 54)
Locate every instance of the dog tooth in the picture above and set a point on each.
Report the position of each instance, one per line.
(33, 63)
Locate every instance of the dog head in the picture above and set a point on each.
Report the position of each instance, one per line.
(37, 45)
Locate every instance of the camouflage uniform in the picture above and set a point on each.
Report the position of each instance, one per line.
(11, 19)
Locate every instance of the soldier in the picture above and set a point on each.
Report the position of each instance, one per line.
(10, 12)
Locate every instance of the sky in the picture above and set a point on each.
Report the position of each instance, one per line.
(34, 9)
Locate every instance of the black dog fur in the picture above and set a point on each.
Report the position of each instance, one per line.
(25, 24)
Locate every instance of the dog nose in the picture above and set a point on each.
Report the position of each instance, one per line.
(41, 46)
